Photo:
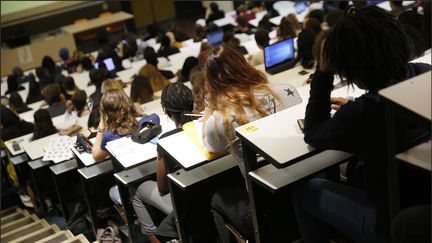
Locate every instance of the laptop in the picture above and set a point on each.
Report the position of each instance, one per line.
(109, 63)
(278, 56)
(215, 38)
(300, 6)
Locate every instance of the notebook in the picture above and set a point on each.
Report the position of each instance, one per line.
(278, 56)
(215, 38)
(187, 147)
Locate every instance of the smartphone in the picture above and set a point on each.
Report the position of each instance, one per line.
(16, 146)
(300, 123)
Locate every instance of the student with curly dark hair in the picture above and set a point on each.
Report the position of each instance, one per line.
(368, 48)
(176, 101)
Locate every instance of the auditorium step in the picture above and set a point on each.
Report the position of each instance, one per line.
(18, 226)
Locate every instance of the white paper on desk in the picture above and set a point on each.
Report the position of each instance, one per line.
(129, 153)
(181, 147)
(58, 150)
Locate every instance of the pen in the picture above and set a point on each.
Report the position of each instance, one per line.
(195, 115)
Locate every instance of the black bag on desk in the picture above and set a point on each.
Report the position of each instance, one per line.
(146, 132)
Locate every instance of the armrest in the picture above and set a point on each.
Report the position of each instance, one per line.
(136, 174)
(274, 179)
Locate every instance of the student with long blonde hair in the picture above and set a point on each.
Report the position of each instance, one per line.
(157, 81)
(237, 94)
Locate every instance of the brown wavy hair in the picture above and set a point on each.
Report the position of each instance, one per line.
(157, 81)
(118, 113)
(231, 84)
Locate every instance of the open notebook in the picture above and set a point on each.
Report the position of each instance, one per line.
(187, 147)
(129, 153)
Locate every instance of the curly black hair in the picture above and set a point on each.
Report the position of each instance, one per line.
(368, 47)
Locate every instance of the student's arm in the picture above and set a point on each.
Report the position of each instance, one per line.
(98, 153)
(161, 176)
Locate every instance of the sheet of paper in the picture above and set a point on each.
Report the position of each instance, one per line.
(181, 147)
(58, 150)
(129, 153)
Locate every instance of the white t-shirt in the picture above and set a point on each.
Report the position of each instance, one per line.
(215, 139)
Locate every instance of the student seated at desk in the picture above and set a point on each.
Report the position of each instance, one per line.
(55, 99)
(184, 73)
(141, 92)
(176, 101)
(118, 119)
(13, 85)
(97, 76)
(152, 58)
(12, 126)
(166, 49)
(287, 29)
(17, 104)
(69, 87)
(76, 108)
(43, 124)
(237, 94)
(262, 39)
(215, 13)
(157, 81)
(368, 48)
(34, 94)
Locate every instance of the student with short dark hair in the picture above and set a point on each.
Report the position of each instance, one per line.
(262, 39)
(216, 13)
(55, 99)
(97, 76)
(43, 124)
(367, 48)
(69, 87)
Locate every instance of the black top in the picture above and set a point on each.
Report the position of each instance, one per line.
(167, 51)
(57, 109)
(23, 109)
(20, 129)
(219, 14)
(169, 166)
(358, 128)
(167, 74)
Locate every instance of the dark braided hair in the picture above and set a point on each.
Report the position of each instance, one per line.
(177, 100)
(368, 48)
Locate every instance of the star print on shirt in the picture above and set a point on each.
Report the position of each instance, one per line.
(289, 92)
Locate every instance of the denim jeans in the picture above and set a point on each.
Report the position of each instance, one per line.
(322, 206)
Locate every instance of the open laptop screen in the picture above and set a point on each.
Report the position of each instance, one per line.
(215, 38)
(108, 63)
(300, 6)
(278, 53)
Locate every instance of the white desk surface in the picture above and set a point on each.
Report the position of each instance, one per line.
(20, 141)
(279, 136)
(36, 149)
(97, 22)
(413, 94)
(258, 16)
(424, 59)
(419, 156)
